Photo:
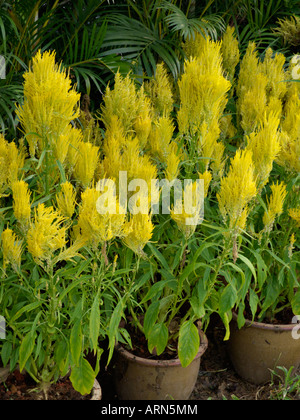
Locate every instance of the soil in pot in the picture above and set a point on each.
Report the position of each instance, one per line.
(20, 386)
(154, 378)
(258, 348)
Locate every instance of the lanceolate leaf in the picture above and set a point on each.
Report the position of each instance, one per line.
(188, 344)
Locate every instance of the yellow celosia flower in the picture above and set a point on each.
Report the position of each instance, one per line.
(96, 227)
(12, 161)
(15, 161)
(207, 178)
(50, 102)
(218, 159)
(138, 232)
(66, 200)
(187, 221)
(161, 137)
(120, 101)
(87, 162)
(275, 205)
(203, 94)
(172, 161)
(252, 104)
(230, 52)
(45, 235)
(289, 156)
(143, 122)
(75, 138)
(238, 188)
(273, 68)
(249, 68)
(12, 249)
(265, 147)
(160, 91)
(295, 215)
(131, 106)
(21, 201)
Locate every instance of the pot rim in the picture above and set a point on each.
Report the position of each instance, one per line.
(162, 363)
(264, 326)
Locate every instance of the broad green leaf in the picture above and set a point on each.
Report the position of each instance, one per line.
(114, 328)
(188, 343)
(228, 299)
(26, 349)
(158, 338)
(151, 317)
(76, 342)
(83, 377)
(6, 352)
(296, 304)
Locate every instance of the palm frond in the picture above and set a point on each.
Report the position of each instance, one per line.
(210, 25)
(134, 42)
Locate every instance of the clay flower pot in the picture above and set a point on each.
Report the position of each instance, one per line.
(137, 378)
(258, 348)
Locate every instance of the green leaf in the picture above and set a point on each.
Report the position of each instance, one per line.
(6, 352)
(228, 299)
(76, 342)
(95, 323)
(83, 377)
(151, 317)
(114, 328)
(158, 338)
(253, 302)
(296, 304)
(188, 343)
(62, 356)
(26, 349)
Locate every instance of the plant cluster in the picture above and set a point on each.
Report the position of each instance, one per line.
(77, 257)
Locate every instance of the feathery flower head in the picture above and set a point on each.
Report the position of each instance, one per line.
(45, 235)
(21, 201)
(230, 52)
(187, 212)
(172, 161)
(138, 232)
(87, 162)
(161, 136)
(12, 249)
(121, 101)
(66, 200)
(99, 227)
(50, 101)
(295, 215)
(275, 205)
(203, 95)
(265, 147)
(207, 178)
(160, 92)
(238, 188)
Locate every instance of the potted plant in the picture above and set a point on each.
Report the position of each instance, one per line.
(262, 334)
(57, 287)
(161, 343)
(259, 287)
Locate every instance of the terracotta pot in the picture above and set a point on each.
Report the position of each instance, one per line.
(137, 378)
(258, 348)
(96, 392)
